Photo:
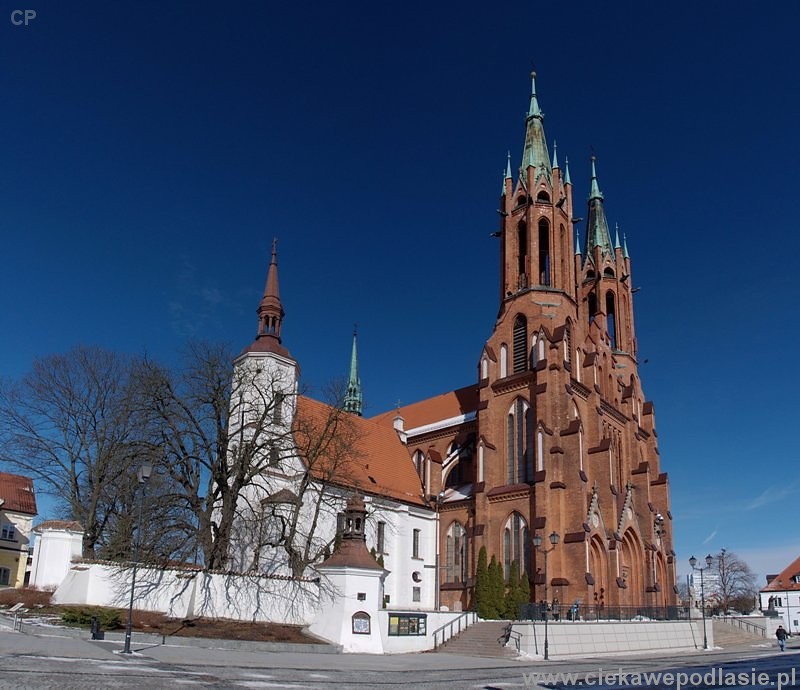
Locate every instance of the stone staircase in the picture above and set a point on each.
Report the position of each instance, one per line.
(726, 635)
(483, 638)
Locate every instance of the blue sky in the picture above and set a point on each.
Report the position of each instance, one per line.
(153, 149)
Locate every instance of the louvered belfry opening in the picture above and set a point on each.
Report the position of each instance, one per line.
(520, 344)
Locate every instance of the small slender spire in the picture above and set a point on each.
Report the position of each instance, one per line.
(625, 247)
(597, 232)
(595, 191)
(555, 154)
(534, 110)
(577, 244)
(352, 399)
(616, 236)
(508, 165)
(566, 171)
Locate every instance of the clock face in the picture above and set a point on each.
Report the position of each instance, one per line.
(595, 520)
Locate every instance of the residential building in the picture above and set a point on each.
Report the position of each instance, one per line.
(17, 510)
(781, 596)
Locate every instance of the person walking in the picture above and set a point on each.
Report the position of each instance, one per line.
(781, 634)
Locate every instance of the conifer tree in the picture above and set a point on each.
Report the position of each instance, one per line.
(510, 603)
(482, 596)
(496, 589)
(524, 590)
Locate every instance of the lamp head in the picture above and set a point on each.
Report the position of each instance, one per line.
(144, 472)
(709, 560)
(693, 562)
(554, 538)
(537, 540)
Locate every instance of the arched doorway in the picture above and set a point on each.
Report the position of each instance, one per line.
(632, 570)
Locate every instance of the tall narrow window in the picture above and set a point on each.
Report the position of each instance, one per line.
(503, 361)
(484, 368)
(5, 576)
(277, 410)
(456, 553)
(611, 319)
(539, 450)
(520, 344)
(592, 306)
(522, 253)
(519, 464)
(415, 544)
(544, 252)
(419, 466)
(516, 547)
(380, 547)
(568, 342)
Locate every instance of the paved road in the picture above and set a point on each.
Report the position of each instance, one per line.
(40, 661)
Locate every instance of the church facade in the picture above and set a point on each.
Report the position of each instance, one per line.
(556, 437)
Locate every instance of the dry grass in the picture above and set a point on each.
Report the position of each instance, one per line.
(38, 603)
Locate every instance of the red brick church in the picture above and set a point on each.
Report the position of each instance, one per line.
(556, 437)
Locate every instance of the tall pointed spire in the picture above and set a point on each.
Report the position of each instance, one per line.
(566, 171)
(625, 246)
(577, 244)
(616, 236)
(597, 234)
(352, 399)
(270, 312)
(535, 152)
(555, 154)
(508, 165)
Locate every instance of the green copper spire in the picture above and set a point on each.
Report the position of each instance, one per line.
(616, 236)
(566, 171)
(535, 152)
(555, 154)
(625, 247)
(352, 399)
(577, 244)
(595, 191)
(597, 234)
(508, 165)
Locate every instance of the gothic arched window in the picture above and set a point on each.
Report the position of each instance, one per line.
(544, 252)
(456, 553)
(503, 361)
(519, 461)
(516, 544)
(611, 319)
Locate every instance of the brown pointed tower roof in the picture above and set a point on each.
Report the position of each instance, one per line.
(270, 313)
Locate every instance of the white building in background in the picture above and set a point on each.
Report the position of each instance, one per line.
(58, 544)
(781, 596)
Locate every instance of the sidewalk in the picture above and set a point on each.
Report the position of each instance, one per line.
(54, 643)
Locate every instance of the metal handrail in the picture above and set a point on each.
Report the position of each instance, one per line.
(743, 624)
(449, 627)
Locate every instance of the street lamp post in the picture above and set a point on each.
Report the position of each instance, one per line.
(537, 543)
(693, 563)
(143, 474)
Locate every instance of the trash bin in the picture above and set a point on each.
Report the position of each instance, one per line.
(97, 634)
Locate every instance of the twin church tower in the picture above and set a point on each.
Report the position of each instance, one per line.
(555, 439)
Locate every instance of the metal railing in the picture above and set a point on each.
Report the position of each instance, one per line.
(579, 612)
(743, 624)
(453, 627)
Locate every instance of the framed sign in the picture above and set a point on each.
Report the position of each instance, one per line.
(361, 624)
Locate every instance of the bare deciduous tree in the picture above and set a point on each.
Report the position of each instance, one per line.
(68, 423)
(736, 580)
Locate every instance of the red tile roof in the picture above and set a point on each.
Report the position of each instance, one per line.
(359, 453)
(784, 581)
(445, 406)
(17, 494)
